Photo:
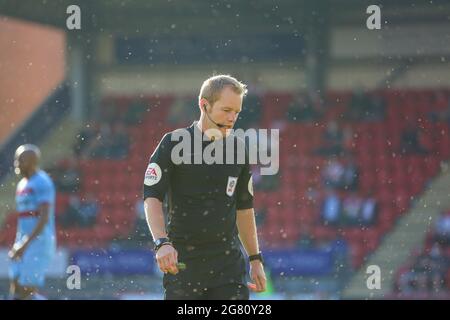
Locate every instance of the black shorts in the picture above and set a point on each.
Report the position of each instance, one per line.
(232, 291)
(213, 277)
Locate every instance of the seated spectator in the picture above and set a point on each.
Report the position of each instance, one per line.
(340, 174)
(406, 282)
(109, 113)
(369, 210)
(265, 182)
(437, 282)
(438, 268)
(331, 209)
(135, 113)
(410, 141)
(430, 269)
(119, 142)
(84, 138)
(421, 283)
(440, 116)
(260, 216)
(332, 143)
(442, 229)
(376, 110)
(348, 141)
(312, 195)
(427, 273)
(67, 176)
(98, 148)
(364, 107)
(350, 174)
(358, 102)
(333, 174)
(111, 144)
(340, 249)
(251, 112)
(80, 213)
(351, 208)
(318, 101)
(305, 239)
(302, 109)
(439, 262)
(183, 111)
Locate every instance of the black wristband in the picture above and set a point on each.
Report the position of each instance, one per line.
(256, 257)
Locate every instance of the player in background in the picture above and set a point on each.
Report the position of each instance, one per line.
(35, 242)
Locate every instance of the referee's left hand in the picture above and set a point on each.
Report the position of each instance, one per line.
(258, 276)
(167, 258)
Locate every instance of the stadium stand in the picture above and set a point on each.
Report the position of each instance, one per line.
(392, 175)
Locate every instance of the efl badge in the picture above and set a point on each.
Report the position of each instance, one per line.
(153, 174)
(231, 185)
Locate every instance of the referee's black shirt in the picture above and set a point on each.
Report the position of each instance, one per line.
(202, 199)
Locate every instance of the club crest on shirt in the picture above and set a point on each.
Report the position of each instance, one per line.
(153, 174)
(231, 185)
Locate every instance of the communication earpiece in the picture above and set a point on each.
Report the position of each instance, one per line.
(217, 124)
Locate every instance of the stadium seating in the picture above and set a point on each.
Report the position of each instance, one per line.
(394, 178)
(438, 253)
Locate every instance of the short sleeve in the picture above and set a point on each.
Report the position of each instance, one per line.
(159, 168)
(45, 192)
(244, 196)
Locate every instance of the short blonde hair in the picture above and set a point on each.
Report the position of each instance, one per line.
(212, 87)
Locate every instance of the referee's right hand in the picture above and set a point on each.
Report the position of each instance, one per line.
(167, 258)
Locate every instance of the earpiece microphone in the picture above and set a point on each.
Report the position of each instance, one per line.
(217, 124)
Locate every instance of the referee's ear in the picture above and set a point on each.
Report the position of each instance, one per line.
(203, 103)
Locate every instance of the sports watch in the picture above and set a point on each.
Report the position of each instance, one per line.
(158, 243)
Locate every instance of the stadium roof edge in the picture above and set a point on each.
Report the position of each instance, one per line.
(194, 17)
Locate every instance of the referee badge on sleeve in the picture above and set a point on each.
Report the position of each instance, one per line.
(231, 185)
(153, 174)
(250, 185)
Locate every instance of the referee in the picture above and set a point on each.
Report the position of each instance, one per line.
(210, 206)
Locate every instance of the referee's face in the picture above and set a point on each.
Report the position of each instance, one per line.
(226, 110)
